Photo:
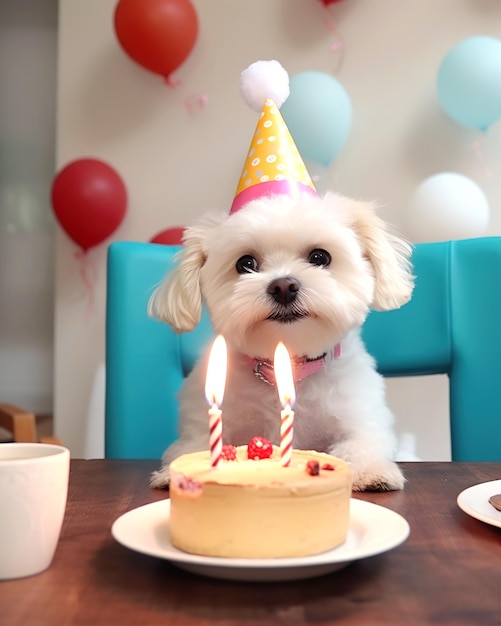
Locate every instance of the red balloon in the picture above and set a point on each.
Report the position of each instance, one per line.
(89, 200)
(157, 34)
(170, 236)
(327, 2)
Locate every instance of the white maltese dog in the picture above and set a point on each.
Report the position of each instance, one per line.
(304, 271)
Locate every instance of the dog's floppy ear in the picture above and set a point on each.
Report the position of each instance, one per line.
(178, 300)
(389, 255)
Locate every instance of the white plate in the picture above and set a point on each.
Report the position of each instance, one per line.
(373, 529)
(475, 502)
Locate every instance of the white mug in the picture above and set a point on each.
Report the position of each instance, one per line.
(33, 492)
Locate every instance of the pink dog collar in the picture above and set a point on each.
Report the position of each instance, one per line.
(302, 367)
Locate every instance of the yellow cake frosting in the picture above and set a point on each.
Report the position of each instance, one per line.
(259, 509)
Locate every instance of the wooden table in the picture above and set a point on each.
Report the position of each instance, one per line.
(447, 572)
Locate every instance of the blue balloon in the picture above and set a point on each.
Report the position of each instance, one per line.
(319, 115)
(469, 82)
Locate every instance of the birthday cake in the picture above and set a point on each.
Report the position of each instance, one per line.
(246, 508)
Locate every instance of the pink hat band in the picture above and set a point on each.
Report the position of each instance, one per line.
(271, 187)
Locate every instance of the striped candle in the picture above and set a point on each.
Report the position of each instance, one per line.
(285, 385)
(215, 435)
(286, 429)
(214, 392)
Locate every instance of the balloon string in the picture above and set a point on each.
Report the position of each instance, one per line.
(196, 102)
(88, 277)
(172, 82)
(337, 45)
(479, 153)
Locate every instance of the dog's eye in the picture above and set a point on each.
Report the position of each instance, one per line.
(246, 263)
(319, 257)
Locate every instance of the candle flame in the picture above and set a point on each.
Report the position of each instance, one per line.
(216, 372)
(283, 375)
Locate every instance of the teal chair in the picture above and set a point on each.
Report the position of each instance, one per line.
(451, 326)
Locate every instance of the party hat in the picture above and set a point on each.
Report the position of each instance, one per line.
(273, 164)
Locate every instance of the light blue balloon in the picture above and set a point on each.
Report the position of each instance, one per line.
(319, 115)
(469, 82)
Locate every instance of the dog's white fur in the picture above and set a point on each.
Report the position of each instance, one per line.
(340, 409)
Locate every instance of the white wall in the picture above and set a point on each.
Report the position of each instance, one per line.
(112, 109)
(28, 32)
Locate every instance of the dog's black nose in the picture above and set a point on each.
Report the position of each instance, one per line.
(284, 290)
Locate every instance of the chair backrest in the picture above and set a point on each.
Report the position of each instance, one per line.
(146, 362)
(450, 326)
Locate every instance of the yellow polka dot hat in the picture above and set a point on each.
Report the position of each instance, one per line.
(273, 164)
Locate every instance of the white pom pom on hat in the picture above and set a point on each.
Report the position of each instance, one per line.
(273, 164)
(263, 80)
